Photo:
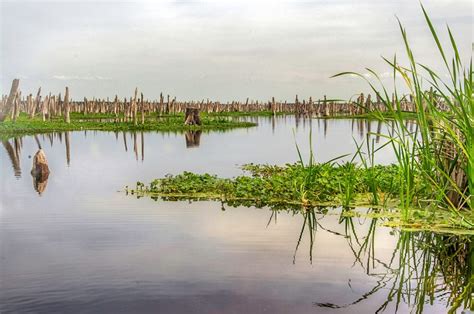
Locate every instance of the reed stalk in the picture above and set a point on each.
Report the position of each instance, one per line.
(441, 149)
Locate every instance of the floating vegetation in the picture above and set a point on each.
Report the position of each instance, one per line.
(301, 187)
(290, 184)
(24, 125)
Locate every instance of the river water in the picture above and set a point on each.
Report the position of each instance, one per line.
(78, 243)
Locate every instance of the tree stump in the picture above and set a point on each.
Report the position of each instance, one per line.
(192, 117)
(10, 102)
(40, 171)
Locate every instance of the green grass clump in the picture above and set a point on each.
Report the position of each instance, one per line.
(441, 149)
(266, 113)
(302, 187)
(273, 184)
(25, 125)
(374, 115)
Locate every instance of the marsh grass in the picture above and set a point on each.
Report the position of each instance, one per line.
(441, 149)
(305, 185)
(24, 125)
(311, 172)
(367, 161)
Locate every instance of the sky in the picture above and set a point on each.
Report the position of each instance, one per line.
(222, 50)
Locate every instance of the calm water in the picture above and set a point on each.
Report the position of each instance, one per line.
(80, 245)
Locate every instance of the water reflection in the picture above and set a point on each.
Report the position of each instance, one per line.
(325, 129)
(101, 251)
(40, 178)
(40, 183)
(193, 138)
(68, 148)
(13, 153)
(424, 267)
(361, 126)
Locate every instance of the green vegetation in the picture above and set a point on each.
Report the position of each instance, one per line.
(302, 188)
(267, 113)
(25, 125)
(279, 185)
(376, 115)
(441, 150)
(434, 173)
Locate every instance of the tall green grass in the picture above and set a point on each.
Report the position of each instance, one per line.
(441, 148)
(311, 173)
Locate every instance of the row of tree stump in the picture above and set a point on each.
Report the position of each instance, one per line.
(135, 108)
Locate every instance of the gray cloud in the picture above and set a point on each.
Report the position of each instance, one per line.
(222, 50)
(81, 78)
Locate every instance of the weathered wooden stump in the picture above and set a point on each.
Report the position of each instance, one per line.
(193, 138)
(10, 101)
(40, 171)
(192, 117)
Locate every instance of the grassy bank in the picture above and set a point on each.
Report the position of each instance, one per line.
(175, 123)
(264, 113)
(205, 115)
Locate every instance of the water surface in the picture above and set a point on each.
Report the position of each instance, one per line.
(77, 244)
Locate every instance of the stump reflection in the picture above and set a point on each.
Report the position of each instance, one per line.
(193, 138)
(40, 172)
(40, 182)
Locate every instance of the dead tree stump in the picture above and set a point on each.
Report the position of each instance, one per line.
(192, 117)
(10, 102)
(67, 106)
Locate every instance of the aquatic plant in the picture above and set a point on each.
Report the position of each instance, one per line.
(441, 149)
(305, 185)
(102, 122)
(367, 160)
